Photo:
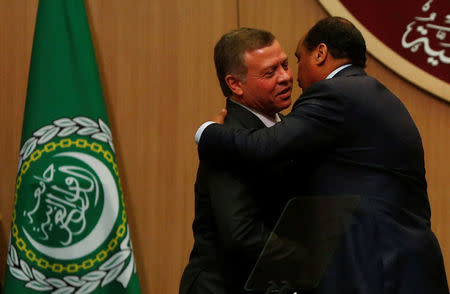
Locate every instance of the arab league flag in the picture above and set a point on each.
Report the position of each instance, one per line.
(69, 228)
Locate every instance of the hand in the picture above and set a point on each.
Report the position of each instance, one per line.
(220, 117)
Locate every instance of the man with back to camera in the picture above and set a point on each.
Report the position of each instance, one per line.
(349, 135)
(236, 206)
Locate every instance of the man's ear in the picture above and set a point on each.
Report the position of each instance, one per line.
(234, 84)
(321, 54)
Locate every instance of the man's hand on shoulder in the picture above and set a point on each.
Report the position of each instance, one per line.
(220, 117)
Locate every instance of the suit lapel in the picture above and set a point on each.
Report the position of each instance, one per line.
(239, 116)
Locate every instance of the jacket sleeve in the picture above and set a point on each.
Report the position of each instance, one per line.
(314, 123)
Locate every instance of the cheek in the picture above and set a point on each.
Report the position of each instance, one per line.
(301, 68)
(267, 87)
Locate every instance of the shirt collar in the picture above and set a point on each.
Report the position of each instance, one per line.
(334, 72)
(267, 121)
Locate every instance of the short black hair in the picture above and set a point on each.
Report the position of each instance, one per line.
(229, 53)
(342, 38)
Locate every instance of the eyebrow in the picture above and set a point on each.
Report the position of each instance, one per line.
(270, 67)
(275, 65)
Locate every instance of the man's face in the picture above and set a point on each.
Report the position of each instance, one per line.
(269, 80)
(306, 69)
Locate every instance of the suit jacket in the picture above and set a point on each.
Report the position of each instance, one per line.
(236, 206)
(350, 135)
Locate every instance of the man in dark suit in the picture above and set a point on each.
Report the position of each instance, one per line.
(349, 135)
(236, 206)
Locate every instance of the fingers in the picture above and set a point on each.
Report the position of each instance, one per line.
(220, 117)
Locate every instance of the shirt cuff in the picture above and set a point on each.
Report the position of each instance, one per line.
(201, 129)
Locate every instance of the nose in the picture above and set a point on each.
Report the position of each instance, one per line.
(285, 75)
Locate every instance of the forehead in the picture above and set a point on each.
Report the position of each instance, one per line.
(265, 56)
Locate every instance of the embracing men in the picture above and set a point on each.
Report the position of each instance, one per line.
(348, 134)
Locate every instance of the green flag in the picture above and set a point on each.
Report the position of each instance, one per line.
(69, 230)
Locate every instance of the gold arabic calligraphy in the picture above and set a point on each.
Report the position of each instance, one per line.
(424, 30)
